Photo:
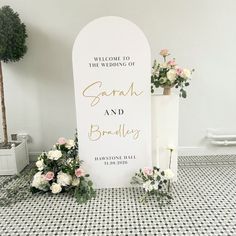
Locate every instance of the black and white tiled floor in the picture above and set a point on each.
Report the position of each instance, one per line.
(204, 204)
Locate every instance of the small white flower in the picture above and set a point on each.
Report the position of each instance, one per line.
(155, 186)
(171, 75)
(170, 147)
(147, 186)
(69, 160)
(70, 143)
(186, 73)
(75, 182)
(169, 174)
(56, 188)
(64, 179)
(40, 164)
(54, 154)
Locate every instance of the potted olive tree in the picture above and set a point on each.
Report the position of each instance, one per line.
(13, 155)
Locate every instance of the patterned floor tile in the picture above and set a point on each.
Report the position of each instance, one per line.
(204, 204)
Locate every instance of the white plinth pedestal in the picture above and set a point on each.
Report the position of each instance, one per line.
(165, 123)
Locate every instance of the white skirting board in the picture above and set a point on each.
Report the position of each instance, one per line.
(165, 123)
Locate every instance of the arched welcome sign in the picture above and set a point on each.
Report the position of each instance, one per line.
(111, 65)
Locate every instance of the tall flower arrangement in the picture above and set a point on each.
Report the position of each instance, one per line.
(168, 74)
(59, 170)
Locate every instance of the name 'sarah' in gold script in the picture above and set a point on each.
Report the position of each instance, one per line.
(113, 93)
(95, 133)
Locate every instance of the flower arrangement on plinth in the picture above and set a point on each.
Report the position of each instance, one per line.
(59, 170)
(168, 74)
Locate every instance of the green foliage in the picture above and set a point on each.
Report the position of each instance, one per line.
(11, 195)
(12, 36)
(84, 191)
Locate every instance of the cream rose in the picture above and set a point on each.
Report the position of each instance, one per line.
(171, 75)
(70, 143)
(186, 73)
(56, 188)
(75, 182)
(40, 164)
(164, 52)
(54, 154)
(64, 179)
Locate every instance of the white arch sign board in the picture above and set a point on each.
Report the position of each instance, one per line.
(111, 66)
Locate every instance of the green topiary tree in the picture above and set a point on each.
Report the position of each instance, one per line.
(12, 48)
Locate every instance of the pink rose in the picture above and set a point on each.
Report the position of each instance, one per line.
(79, 172)
(171, 63)
(49, 175)
(147, 170)
(179, 71)
(164, 52)
(61, 141)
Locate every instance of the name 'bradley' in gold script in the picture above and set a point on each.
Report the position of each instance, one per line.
(97, 97)
(95, 132)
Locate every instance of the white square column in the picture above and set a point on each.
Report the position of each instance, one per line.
(165, 124)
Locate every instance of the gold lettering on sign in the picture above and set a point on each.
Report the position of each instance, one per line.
(97, 97)
(95, 133)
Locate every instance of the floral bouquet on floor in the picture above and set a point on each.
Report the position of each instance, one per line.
(154, 182)
(168, 74)
(59, 170)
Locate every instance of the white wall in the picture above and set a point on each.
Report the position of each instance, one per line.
(200, 34)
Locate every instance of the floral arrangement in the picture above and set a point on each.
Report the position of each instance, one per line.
(154, 182)
(59, 170)
(168, 74)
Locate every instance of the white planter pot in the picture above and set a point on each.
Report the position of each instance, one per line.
(14, 160)
(165, 125)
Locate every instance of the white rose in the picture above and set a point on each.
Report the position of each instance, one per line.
(75, 182)
(186, 73)
(36, 180)
(54, 155)
(148, 186)
(169, 174)
(171, 75)
(56, 188)
(40, 164)
(64, 179)
(39, 182)
(156, 185)
(70, 143)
